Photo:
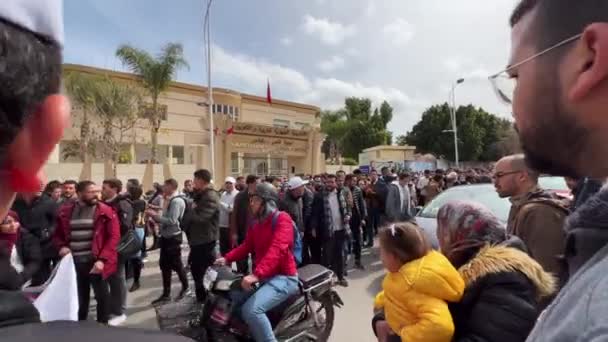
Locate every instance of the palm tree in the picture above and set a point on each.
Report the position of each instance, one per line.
(80, 88)
(156, 74)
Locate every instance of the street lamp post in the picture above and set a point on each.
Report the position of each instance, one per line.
(453, 117)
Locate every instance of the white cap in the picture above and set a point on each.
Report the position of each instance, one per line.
(230, 180)
(296, 182)
(43, 17)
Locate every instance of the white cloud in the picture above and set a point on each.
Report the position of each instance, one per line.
(351, 51)
(286, 41)
(400, 32)
(331, 64)
(254, 72)
(370, 9)
(330, 33)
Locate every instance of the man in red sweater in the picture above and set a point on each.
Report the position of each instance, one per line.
(275, 266)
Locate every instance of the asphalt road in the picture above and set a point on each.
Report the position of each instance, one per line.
(353, 321)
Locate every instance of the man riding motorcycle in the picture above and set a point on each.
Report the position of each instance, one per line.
(274, 265)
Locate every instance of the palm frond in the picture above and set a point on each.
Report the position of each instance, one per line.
(137, 60)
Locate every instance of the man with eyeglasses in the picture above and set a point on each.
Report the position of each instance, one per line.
(559, 93)
(536, 216)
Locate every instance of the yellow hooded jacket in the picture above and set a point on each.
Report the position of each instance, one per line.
(414, 299)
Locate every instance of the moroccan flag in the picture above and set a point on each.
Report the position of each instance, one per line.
(268, 95)
(230, 130)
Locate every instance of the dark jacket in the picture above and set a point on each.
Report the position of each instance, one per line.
(201, 222)
(28, 249)
(240, 215)
(295, 208)
(359, 205)
(307, 200)
(105, 239)
(585, 188)
(40, 218)
(123, 207)
(320, 220)
(538, 218)
(139, 208)
(501, 301)
(16, 309)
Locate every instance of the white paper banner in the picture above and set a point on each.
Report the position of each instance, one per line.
(59, 300)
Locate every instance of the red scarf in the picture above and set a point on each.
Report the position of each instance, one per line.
(8, 240)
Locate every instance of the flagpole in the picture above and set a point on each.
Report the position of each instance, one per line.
(210, 93)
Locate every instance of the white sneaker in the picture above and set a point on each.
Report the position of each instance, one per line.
(118, 320)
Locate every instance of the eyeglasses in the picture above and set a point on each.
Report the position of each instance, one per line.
(504, 84)
(499, 175)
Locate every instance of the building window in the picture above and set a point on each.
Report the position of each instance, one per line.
(236, 114)
(280, 123)
(178, 155)
(300, 125)
(234, 163)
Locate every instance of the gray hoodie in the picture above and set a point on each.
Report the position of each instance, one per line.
(580, 310)
(172, 216)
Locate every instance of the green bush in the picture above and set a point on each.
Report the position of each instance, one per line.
(349, 161)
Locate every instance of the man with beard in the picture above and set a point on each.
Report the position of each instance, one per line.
(90, 230)
(299, 208)
(38, 213)
(201, 225)
(359, 215)
(188, 189)
(240, 183)
(536, 216)
(559, 74)
(330, 225)
(123, 207)
(226, 206)
(69, 191)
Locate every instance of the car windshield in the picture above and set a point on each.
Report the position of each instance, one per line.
(552, 183)
(484, 194)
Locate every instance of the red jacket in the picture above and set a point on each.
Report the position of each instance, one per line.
(106, 236)
(272, 249)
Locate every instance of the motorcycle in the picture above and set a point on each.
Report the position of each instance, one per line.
(306, 316)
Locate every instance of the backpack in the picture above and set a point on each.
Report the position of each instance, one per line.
(187, 210)
(296, 250)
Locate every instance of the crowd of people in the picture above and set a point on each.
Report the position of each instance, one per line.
(489, 280)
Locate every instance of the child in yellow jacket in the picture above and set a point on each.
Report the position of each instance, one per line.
(419, 283)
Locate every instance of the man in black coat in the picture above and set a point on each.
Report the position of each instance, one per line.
(38, 214)
(240, 218)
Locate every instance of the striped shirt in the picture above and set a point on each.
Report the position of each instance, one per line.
(82, 232)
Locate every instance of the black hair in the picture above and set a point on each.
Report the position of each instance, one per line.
(240, 178)
(83, 185)
(404, 175)
(251, 179)
(70, 182)
(202, 174)
(331, 176)
(556, 20)
(133, 182)
(384, 168)
(357, 172)
(51, 186)
(30, 70)
(270, 179)
(115, 184)
(349, 178)
(340, 171)
(135, 193)
(172, 182)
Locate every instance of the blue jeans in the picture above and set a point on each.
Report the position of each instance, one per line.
(254, 305)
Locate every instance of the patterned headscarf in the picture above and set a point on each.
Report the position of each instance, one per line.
(469, 226)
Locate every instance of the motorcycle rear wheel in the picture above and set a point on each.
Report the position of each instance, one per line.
(327, 304)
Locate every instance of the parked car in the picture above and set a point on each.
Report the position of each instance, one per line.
(481, 193)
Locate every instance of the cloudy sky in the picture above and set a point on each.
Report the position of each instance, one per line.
(407, 52)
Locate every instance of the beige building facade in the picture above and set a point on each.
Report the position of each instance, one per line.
(386, 155)
(251, 136)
